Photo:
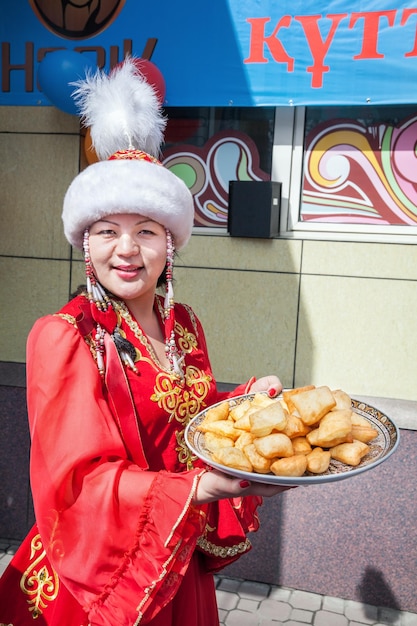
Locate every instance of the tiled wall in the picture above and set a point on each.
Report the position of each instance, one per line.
(321, 312)
(39, 151)
(326, 312)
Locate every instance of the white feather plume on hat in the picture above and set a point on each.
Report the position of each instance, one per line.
(123, 113)
(122, 110)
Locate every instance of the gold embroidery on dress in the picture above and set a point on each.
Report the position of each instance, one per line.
(123, 312)
(186, 341)
(182, 404)
(69, 318)
(184, 453)
(181, 399)
(40, 584)
(223, 551)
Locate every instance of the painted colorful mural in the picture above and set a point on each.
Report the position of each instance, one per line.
(228, 155)
(359, 174)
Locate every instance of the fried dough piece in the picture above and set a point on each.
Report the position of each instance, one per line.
(225, 428)
(274, 445)
(364, 433)
(343, 400)
(244, 440)
(267, 419)
(301, 445)
(313, 404)
(215, 413)
(287, 395)
(243, 423)
(337, 423)
(258, 401)
(262, 399)
(362, 430)
(292, 466)
(318, 461)
(259, 463)
(283, 404)
(359, 420)
(232, 457)
(295, 427)
(350, 453)
(315, 440)
(213, 441)
(239, 410)
(334, 428)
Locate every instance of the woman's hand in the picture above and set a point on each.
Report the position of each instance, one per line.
(215, 485)
(270, 384)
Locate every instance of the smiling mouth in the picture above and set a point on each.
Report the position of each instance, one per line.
(127, 273)
(131, 268)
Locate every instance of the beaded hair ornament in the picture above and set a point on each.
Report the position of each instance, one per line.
(126, 123)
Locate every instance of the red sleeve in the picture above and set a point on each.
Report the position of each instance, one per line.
(120, 538)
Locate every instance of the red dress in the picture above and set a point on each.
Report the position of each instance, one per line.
(117, 540)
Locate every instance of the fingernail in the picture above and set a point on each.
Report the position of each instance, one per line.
(244, 484)
(271, 393)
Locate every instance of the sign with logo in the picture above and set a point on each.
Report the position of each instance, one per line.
(227, 52)
(76, 20)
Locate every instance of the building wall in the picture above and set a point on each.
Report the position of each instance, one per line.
(322, 312)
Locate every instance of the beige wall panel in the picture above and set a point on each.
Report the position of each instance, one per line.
(377, 260)
(37, 120)
(31, 288)
(249, 319)
(36, 172)
(358, 334)
(77, 255)
(77, 275)
(278, 255)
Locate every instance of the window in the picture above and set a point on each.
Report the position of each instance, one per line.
(208, 147)
(353, 172)
(346, 172)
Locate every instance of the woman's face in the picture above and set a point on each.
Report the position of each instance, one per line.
(128, 254)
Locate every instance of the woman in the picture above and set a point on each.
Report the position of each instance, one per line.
(130, 525)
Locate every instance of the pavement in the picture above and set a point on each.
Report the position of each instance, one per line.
(249, 603)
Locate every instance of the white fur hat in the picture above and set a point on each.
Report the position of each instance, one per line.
(128, 186)
(127, 125)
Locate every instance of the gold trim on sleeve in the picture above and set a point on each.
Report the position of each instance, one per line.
(223, 551)
(68, 318)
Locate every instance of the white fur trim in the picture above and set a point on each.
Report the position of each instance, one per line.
(128, 186)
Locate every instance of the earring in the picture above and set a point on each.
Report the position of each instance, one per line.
(174, 358)
(95, 291)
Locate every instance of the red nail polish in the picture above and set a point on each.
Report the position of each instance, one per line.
(271, 393)
(244, 484)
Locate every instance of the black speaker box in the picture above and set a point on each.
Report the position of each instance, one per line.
(254, 208)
